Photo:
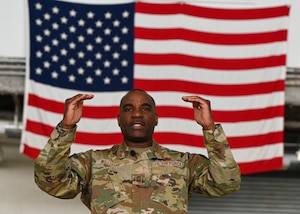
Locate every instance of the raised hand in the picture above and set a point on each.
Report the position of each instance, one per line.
(73, 110)
(202, 111)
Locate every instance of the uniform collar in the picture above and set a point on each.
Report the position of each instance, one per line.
(123, 151)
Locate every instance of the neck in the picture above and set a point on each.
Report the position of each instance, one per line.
(139, 144)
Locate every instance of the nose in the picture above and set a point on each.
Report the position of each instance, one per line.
(137, 113)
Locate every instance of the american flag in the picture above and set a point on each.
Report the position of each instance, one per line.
(234, 57)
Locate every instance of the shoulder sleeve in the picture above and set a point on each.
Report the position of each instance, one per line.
(219, 174)
(56, 172)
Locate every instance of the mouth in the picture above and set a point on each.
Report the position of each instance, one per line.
(137, 124)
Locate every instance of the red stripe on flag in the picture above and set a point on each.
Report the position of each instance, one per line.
(46, 104)
(30, 151)
(210, 89)
(210, 38)
(256, 140)
(261, 166)
(239, 14)
(38, 128)
(202, 62)
(215, 13)
(249, 115)
(235, 142)
(223, 116)
(88, 111)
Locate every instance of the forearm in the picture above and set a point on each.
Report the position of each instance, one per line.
(223, 170)
(53, 168)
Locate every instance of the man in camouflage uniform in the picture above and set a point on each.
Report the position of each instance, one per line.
(138, 175)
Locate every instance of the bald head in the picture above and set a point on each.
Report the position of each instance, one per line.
(138, 90)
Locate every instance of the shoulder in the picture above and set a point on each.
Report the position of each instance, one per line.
(171, 153)
(96, 152)
(176, 154)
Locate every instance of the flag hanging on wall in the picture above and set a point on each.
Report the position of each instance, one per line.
(236, 58)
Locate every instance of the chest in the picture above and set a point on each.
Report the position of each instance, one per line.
(138, 172)
(161, 183)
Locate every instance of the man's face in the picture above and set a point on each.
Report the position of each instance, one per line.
(137, 117)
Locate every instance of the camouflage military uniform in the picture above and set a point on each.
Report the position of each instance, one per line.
(156, 181)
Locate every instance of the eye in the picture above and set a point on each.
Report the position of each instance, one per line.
(128, 109)
(146, 108)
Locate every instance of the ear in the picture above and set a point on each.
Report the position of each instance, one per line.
(156, 119)
(118, 118)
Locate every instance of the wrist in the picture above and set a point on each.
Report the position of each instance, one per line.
(210, 127)
(66, 126)
(63, 133)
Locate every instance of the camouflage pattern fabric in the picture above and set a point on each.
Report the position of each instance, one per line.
(156, 181)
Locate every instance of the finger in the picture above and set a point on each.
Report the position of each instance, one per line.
(87, 96)
(79, 98)
(193, 98)
(196, 100)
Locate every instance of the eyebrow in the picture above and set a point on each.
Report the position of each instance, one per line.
(143, 104)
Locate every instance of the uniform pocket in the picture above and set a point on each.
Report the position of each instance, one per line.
(171, 191)
(107, 192)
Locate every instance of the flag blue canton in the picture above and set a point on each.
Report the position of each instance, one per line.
(82, 47)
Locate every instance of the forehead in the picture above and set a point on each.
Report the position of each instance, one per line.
(137, 97)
